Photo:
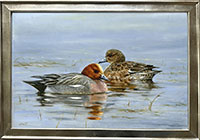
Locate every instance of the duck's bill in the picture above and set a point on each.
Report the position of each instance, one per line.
(103, 77)
(103, 61)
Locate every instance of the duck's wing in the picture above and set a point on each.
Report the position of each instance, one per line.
(135, 66)
(70, 79)
(48, 79)
(74, 79)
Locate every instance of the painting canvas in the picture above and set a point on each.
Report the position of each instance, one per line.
(61, 43)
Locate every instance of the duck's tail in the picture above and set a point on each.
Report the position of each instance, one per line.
(37, 84)
(146, 75)
(153, 73)
(156, 71)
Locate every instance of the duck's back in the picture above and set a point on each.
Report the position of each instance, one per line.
(71, 83)
(127, 71)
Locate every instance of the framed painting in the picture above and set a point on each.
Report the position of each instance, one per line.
(55, 84)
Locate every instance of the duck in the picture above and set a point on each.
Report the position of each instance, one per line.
(91, 80)
(125, 72)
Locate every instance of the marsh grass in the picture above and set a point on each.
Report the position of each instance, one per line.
(59, 121)
(40, 115)
(75, 113)
(129, 103)
(149, 108)
(175, 105)
(86, 123)
(20, 100)
(151, 103)
(124, 117)
(19, 62)
(133, 110)
(26, 99)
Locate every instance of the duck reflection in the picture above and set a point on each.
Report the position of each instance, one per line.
(136, 85)
(93, 103)
(96, 104)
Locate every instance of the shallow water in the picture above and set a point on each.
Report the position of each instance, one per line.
(163, 104)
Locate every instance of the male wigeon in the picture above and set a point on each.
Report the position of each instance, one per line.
(125, 72)
(89, 81)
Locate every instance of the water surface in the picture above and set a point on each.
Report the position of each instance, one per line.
(66, 42)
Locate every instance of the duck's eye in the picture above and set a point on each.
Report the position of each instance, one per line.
(109, 55)
(96, 71)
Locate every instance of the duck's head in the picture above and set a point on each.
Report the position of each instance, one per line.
(94, 71)
(113, 55)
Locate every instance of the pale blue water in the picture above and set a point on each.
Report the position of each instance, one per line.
(67, 42)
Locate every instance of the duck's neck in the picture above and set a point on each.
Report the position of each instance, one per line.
(120, 59)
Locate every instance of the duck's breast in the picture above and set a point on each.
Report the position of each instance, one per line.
(98, 87)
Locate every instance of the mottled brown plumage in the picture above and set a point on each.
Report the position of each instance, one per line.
(124, 72)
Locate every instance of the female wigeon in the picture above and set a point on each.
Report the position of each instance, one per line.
(125, 72)
(89, 81)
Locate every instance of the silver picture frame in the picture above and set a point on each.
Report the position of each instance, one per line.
(191, 7)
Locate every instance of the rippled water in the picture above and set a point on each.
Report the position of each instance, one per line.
(37, 50)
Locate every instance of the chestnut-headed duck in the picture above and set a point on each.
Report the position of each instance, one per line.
(125, 72)
(89, 81)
